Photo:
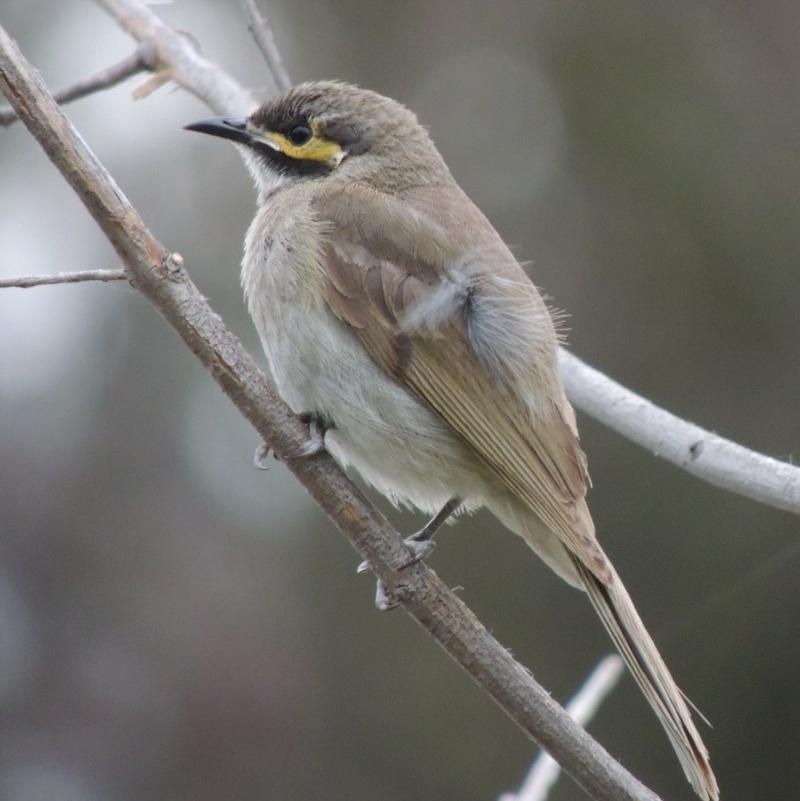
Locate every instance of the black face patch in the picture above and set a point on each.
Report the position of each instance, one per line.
(287, 165)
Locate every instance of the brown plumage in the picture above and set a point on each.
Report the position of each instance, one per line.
(389, 307)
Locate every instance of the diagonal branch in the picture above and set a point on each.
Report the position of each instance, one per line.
(160, 277)
(582, 707)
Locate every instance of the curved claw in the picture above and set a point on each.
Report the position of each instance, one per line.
(261, 455)
(383, 600)
(315, 443)
(311, 447)
(419, 550)
(420, 545)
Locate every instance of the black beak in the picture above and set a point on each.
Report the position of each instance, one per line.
(228, 128)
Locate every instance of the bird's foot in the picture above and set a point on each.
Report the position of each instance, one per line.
(314, 444)
(420, 545)
(419, 550)
(384, 600)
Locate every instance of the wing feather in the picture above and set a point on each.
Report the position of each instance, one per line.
(532, 448)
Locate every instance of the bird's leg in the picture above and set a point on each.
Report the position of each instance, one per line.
(420, 545)
(311, 447)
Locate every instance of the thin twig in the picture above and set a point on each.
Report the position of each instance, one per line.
(261, 29)
(703, 454)
(139, 61)
(582, 708)
(27, 281)
(163, 281)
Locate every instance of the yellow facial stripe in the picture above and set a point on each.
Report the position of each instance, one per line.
(316, 149)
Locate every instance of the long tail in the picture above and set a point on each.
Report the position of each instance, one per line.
(623, 623)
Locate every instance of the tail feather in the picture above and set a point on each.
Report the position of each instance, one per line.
(619, 616)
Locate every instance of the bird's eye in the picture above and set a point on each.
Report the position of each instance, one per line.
(299, 134)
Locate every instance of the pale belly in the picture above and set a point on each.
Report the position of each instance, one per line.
(395, 443)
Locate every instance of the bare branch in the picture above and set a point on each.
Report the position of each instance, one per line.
(705, 455)
(178, 55)
(582, 708)
(163, 281)
(261, 29)
(27, 281)
(139, 61)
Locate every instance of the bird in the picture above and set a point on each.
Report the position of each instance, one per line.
(396, 320)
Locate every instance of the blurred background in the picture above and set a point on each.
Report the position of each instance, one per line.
(177, 625)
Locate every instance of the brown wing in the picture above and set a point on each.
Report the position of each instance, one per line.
(387, 264)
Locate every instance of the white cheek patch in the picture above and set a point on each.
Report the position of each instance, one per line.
(268, 142)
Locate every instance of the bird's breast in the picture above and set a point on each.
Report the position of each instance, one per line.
(319, 366)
